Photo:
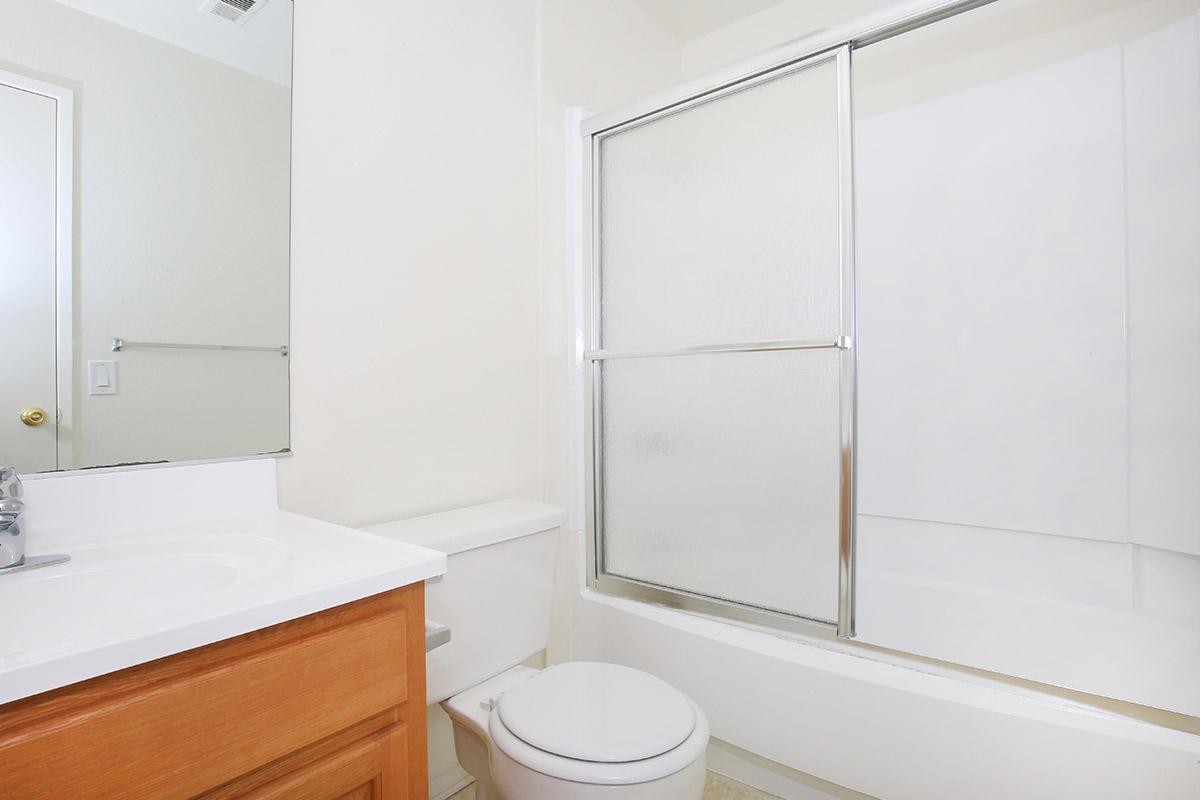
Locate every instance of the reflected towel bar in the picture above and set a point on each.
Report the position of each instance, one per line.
(119, 344)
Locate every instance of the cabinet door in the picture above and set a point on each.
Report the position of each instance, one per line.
(374, 768)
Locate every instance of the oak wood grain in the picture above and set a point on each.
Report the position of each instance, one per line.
(414, 711)
(251, 781)
(372, 768)
(238, 716)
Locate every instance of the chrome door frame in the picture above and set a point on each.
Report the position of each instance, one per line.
(594, 358)
(837, 44)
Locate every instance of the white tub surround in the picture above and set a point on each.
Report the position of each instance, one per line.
(166, 560)
(1026, 490)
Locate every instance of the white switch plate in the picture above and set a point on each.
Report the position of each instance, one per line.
(102, 377)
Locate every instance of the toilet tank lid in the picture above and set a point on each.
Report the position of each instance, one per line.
(473, 526)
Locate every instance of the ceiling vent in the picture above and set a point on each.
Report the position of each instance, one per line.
(235, 11)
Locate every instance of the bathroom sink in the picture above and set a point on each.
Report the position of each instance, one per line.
(138, 591)
(125, 583)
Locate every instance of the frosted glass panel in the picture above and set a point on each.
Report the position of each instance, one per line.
(1028, 185)
(721, 476)
(720, 223)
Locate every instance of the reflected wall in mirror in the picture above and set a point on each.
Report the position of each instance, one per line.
(144, 196)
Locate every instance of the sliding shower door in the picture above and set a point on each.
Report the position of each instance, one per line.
(718, 348)
(1028, 192)
(1006, 441)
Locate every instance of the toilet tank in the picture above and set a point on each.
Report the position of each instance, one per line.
(498, 588)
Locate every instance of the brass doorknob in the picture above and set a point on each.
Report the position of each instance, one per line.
(33, 417)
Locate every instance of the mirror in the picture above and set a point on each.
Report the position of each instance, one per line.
(144, 230)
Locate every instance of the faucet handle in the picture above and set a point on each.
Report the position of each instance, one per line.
(10, 483)
(11, 507)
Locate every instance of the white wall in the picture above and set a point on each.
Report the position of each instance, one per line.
(415, 294)
(181, 193)
(429, 216)
(429, 243)
(773, 26)
(262, 46)
(429, 289)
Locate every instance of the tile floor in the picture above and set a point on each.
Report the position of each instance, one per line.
(717, 787)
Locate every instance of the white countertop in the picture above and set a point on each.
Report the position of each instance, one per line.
(134, 593)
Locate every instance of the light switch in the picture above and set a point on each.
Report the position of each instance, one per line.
(102, 377)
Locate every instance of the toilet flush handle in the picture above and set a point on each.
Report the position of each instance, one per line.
(436, 634)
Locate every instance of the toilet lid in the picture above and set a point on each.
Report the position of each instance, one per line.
(598, 712)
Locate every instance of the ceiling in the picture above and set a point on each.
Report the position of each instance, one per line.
(690, 19)
(263, 47)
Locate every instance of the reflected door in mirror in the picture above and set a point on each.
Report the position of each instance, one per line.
(144, 199)
(27, 278)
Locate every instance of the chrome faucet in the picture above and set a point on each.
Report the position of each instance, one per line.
(12, 537)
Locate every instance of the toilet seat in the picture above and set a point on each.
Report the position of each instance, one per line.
(609, 724)
(591, 711)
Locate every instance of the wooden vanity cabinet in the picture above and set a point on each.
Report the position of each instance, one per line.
(326, 707)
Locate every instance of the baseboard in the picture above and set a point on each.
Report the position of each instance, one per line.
(447, 793)
(773, 777)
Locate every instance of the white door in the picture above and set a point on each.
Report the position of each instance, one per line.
(28, 233)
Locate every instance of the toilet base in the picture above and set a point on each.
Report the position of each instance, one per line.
(521, 783)
(495, 770)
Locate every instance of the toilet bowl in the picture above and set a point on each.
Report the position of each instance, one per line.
(572, 731)
(578, 731)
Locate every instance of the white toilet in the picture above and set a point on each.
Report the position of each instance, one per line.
(574, 731)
